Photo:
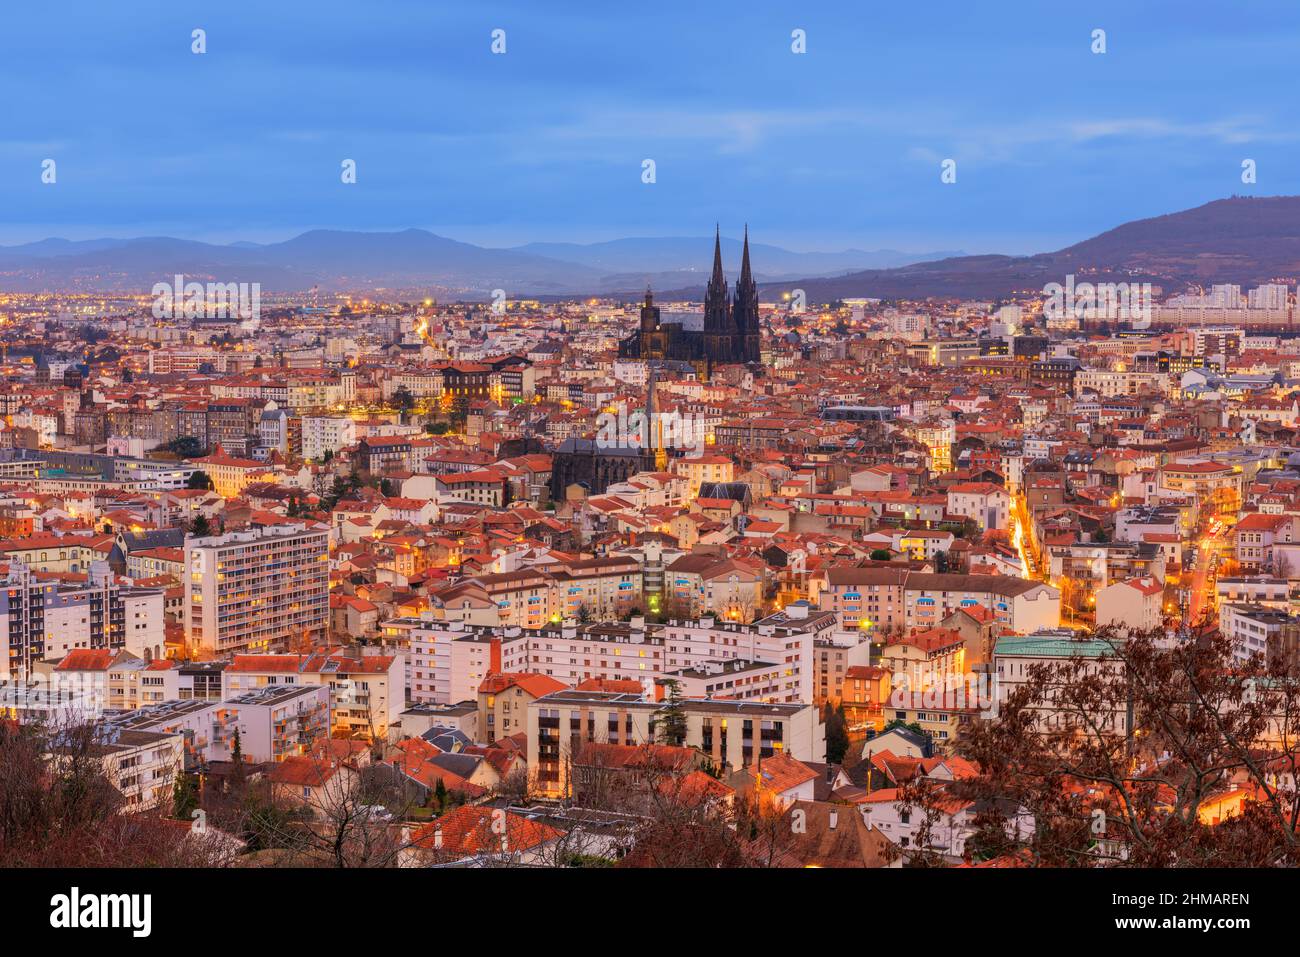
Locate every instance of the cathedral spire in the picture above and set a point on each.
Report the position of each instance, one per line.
(717, 310)
(745, 309)
(718, 279)
(746, 278)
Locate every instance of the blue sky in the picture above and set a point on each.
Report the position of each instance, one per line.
(837, 147)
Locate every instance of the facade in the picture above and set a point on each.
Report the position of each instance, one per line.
(1136, 603)
(888, 599)
(367, 692)
(42, 618)
(273, 723)
(732, 734)
(323, 434)
(257, 590)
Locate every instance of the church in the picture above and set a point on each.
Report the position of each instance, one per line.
(731, 333)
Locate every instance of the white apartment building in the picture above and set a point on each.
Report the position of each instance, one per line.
(326, 433)
(141, 764)
(367, 692)
(42, 619)
(256, 590)
(732, 734)
(274, 723)
(769, 660)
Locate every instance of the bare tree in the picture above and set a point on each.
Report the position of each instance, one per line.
(1162, 752)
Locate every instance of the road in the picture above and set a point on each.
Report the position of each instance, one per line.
(1200, 597)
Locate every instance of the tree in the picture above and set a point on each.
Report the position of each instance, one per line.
(200, 527)
(58, 807)
(881, 555)
(671, 719)
(403, 399)
(185, 796)
(199, 480)
(1122, 758)
(837, 733)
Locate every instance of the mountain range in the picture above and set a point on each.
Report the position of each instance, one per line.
(1245, 240)
(341, 260)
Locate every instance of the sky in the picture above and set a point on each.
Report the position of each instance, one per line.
(837, 147)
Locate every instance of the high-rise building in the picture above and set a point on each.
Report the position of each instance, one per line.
(257, 590)
(1267, 296)
(43, 619)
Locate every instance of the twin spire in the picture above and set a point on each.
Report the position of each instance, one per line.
(720, 314)
(718, 279)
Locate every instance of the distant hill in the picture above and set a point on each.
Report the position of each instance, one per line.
(411, 258)
(668, 255)
(1244, 240)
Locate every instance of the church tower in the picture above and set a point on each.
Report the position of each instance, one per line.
(717, 312)
(745, 312)
(649, 313)
(719, 332)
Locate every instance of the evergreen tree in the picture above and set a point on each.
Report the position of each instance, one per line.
(837, 733)
(200, 527)
(185, 796)
(672, 717)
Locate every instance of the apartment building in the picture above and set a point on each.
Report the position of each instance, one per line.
(142, 765)
(1259, 629)
(732, 734)
(449, 659)
(787, 639)
(503, 701)
(1134, 603)
(114, 681)
(1016, 656)
(257, 590)
(230, 474)
(896, 599)
(984, 503)
(322, 434)
(600, 589)
(43, 618)
(273, 722)
(367, 691)
(834, 655)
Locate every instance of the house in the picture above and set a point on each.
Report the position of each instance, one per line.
(489, 834)
(986, 504)
(503, 701)
(1136, 603)
(319, 784)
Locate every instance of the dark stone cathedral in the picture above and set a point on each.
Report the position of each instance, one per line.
(731, 333)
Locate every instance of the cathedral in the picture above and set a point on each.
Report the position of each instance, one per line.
(731, 333)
